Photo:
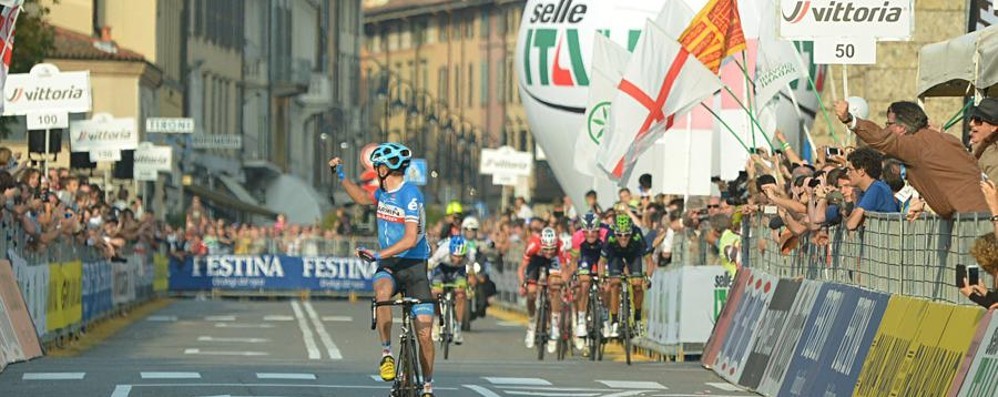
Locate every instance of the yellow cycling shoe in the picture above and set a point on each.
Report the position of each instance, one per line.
(387, 368)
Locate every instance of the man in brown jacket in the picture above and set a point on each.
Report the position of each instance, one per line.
(939, 167)
(983, 125)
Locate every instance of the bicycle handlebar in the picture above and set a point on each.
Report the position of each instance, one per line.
(404, 302)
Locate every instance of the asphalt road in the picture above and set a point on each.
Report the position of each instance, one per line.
(323, 348)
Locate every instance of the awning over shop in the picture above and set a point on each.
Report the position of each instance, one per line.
(960, 66)
(237, 189)
(224, 200)
(297, 199)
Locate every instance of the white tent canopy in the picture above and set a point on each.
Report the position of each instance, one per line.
(959, 66)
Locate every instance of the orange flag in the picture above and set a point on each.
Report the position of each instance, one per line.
(715, 33)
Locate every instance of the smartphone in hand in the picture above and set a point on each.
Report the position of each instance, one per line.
(973, 275)
(961, 275)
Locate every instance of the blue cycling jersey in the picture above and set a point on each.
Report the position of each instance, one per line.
(397, 208)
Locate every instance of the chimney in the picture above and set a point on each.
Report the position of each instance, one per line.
(105, 34)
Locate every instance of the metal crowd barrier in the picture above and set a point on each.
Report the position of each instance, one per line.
(889, 254)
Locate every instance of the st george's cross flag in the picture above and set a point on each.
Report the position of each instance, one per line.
(9, 11)
(608, 64)
(662, 81)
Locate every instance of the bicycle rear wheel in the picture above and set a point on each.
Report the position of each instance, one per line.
(562, 326)
(415, 369)
(447, 333)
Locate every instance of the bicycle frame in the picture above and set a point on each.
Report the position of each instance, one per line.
(408, 378)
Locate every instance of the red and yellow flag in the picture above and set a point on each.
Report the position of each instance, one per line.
(715, 33)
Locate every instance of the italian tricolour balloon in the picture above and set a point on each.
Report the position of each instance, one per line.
(554, 49)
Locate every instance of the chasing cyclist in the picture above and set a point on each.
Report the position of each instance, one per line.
(542, 252)
(452, 269)
(624, 247)
(404, 250)
(587, 244)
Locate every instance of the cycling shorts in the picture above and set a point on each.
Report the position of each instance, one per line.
(449, 275)
(634, 263)
(409, 277)
(537, 262)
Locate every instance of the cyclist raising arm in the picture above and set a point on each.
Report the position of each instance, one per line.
(624, 247)
(404, 250)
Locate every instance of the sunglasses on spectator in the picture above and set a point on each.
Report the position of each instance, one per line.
(713, 206)
(976, 120)
(623, 235)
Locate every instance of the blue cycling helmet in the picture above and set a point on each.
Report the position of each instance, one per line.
(394, 155)
(458, 246)
(590, 222)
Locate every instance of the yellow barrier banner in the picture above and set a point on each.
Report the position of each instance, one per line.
(161, 272)
(921, 362)
(65, 299)
(890, 344)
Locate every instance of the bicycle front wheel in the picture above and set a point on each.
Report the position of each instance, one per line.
(541, 333)
(625, 323)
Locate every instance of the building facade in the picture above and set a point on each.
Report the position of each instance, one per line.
(440, 77)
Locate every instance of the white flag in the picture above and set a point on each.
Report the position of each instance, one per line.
(779, 62)
(8, 18)
(661, 82)
(609, 61)
(674, 18)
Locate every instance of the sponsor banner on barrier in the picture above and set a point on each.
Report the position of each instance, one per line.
(731, 360)
(275, 272)
(981, 379)
(722, 326)
(774, 321)
(161, 273)
(890, 345)
(122, 283)
(931, 361)
(65, 306)
(836, 337)
(96, 290)
(18, 338)
(697, 312)
(34, 283)
(786, 345)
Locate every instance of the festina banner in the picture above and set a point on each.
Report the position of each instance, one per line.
(8, 18)
(271, 272)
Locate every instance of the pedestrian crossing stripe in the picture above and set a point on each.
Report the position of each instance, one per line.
(518, 381)
(619, 384)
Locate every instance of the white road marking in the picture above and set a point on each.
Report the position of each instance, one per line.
(165, 319)
(628, 393)
(261, 375)
(623, 384)
(310, 345)
(53, 375)
(281, 385)
(723, 386)
(278, 318)
(121, 391)
(216, 353)
(561, 389)
(550, 394)
(518, 381)
(509, 324)
(219, 318)
(242, 325)
(481, 391)
(331, 349)
(377, 378)
(337, 319)
(232, 340)
(170, 375)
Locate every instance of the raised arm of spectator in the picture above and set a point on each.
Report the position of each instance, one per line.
(796, 227)
(781, 142)
(891, 144)
(818, 207)
(775, 196)
(357, 193)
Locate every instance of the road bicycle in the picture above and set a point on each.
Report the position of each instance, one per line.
(408, 381)
(596, 315)
(566, 323)
(543, 313)
(628, 328)
(448, 321)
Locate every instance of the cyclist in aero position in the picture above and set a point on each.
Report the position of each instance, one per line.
(624, 247)
(542, 252)
(404, 250)
(452, 269)
(587, 243)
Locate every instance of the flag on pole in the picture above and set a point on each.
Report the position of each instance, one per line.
(779, 63)
(674, 18)
(715, 33)
(661, 81)
(608, 64)
(8, 18)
